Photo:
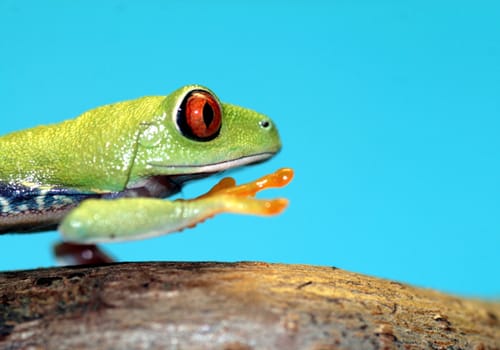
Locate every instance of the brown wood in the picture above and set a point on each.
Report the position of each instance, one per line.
(233, 306)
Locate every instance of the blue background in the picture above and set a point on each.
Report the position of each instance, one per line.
(389, 113)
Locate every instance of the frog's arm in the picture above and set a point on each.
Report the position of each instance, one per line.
(130, 218)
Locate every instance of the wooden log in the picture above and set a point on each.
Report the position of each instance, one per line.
(247, 305)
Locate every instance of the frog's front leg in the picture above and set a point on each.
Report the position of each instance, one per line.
(134, 218)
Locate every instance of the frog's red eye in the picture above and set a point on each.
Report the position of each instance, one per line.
(199, 116)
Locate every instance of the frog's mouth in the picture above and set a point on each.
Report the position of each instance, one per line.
(211, 168)
(166, 185)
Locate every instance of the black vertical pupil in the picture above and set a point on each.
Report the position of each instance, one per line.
(208, 114)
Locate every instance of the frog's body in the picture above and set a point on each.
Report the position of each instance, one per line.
(141, 148)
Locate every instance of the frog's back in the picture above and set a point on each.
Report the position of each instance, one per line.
(94, 150)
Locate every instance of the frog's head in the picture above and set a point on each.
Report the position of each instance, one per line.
(194, 133)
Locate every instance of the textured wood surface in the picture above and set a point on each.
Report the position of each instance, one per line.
(233, 306)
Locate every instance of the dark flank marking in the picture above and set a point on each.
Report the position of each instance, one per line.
(17, 199)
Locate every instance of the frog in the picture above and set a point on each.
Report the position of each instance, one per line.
(105, 175)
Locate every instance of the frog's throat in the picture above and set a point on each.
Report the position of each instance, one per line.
(214, 167)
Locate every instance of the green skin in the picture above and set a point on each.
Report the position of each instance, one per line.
(120, 146)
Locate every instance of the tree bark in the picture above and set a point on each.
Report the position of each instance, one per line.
(247, 305)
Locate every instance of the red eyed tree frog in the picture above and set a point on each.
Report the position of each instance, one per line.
(100, 177)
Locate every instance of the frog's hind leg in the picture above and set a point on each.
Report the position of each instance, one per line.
(80, 254)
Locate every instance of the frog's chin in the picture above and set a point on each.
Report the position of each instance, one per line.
(210, 168)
